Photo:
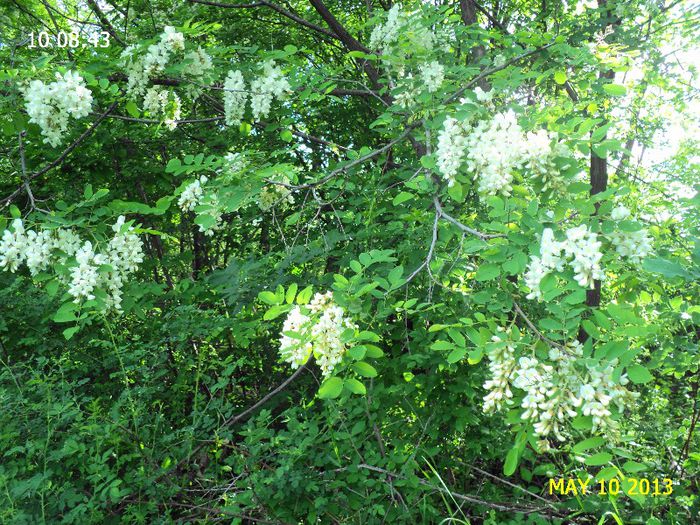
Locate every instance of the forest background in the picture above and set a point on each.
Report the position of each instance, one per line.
(348, 261)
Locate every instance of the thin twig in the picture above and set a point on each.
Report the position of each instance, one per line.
(58, 160)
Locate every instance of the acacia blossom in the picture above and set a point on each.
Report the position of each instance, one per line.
(432, 75)
(235, 98)
(315, 328)
(493, 150)
(633, 245)
(92, 270)
(265, 88)
(551, 393)
(51, 105)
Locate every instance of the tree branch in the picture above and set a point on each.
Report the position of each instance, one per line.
(281, 10)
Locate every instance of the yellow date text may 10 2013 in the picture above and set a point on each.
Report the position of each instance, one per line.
(633, 487)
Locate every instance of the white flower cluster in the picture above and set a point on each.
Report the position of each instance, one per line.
(634, 245)
(198, 63)
(551, 393)
(502, 367)
(164, 104)
(583, 246)
(315, 328)
(50, 105)
(484, 96)
(213, 214)
(106, 271)
(271, 84)
(235, 98)
(264, 89)
(432, 75)
(492, 150)
(542, 150)
(451, 148)
(193, 196)
(35, 249)
(581, 250)
(142, 69)
(403, 26)
(273, 194)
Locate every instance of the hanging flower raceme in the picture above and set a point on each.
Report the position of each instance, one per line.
(581, 250)
(402, 28)
(633, 245)
(493, 150)
(191, 196)
(553, 389)
(235, 98)
(207, 206)
(432, 75)
(51, 105)
(316, 328)
(271, 84)
(91, 269)
(162, 103)
(265, 88)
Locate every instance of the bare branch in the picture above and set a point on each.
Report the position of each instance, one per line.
(281, 10)
(464, 227)
(58, 160)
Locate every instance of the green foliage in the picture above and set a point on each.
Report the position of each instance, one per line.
(179, 407)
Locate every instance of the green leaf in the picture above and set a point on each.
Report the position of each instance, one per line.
(286, 135)
(66, 313)
(633, 466)
(366, 335)
(402, 197)
(511, 462)
(331, 388)
(587, 444)
(639, 374)
(374, 351)
(355, 386)
(487, 272)
(590, 328)
(52, 287)
(560, 77)
(132, 110)
(364, 369)
(596, 460)
(268, 297)
(442, 345)
(173, 165)
(615, 90)
(291, 293)
(599, 133)
(456, 192)
(68, 333)
(357, 352)
(275, 312)
(475, 356)
(428, 161)
(305, 295)
(456, 355)
(665, 267)
(395, 276)
(582, 423)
